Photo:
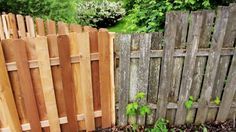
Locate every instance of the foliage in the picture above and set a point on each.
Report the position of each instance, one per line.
(217, 100)
(137, 108)
(100, 13)
(189, 103)
(160, 126)
(62, 10)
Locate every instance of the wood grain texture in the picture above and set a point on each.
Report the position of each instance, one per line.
(8, 106)
(26, 84)
(5, 26)
(13, 25)
(2, 36)
(57, 79)
(124, 42)
(40, 28)
(67, 81)
(47, 82)
(212, 64)
(51, 27)
(30, 26)
(21, 26)
(105, 79)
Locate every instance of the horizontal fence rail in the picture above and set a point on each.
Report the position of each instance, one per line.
(195, 56)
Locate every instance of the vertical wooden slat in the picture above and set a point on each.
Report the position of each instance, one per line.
(13, 25)
(40, 27)
(208, 21)
(7, 99)
(74, 50)
(5, 28)
(167, 64)
(2, 36)
(30, 26)
(154, 75)
(51, 27)
(57, 79)
(47, 83)
(21, 26)
(67, 81)
(26, 84)
(189, 63)
(143, 69)
(212, 64)
(75, 28)
(62, 28)
(105, 79)
(86, 80)
(124, 42)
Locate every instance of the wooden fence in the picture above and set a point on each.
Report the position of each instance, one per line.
(54, 77)
(195, 56)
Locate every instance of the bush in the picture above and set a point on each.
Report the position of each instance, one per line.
(59, 10)
(100, 14)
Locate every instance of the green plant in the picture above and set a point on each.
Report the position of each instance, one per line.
(137, 108)
(217, 100)
(189, 103)
(160, 126)
(100, 13)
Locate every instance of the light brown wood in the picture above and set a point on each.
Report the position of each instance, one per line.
(5, 28)
(40, 27)
(47, 82)
(2, 36)
(13, 25)
(51, 27)
(8, 106)
(75, 28)
(62, 28)
(30, 26)
(21, 26)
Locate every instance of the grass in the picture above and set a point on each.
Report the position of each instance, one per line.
(119, 27)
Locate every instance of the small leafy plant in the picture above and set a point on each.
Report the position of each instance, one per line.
(217, 100)
(137, 108)
(160, 126)
(189, 103)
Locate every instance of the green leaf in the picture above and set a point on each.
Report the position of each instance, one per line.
(188, 104)
(144, 110)
(140, 95)
(217, 101)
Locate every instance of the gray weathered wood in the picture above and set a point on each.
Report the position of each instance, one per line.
(167, 64)
(124, 42)
(195, 29)
(212, 64)
(208, 21)
(143, 69)
(154, 75)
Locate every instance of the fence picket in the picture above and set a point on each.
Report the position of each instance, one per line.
(62, 28)
(51, 27)
(40, 27)
(2, 36)
(13, 25)
(21, 26)
(75, 28)
(30, 26)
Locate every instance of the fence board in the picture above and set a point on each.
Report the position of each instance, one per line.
(51, 27)
(212, 64)
(5, 28)
(13, 25)
(189, 63)
(167, 63)
(40, 27)
(62, 28)
(7, 99)
(21, 26)
(105, 79)
(57, 79)
(67, 81)
(124, 43)
(26, 84)
(75, 28)
(2, 36)
(30, 26)
(47, 83)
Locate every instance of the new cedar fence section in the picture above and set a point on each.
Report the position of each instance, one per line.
(54, 82)
(196, 56)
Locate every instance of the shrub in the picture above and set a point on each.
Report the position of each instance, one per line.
(100, 14)
(59, 10)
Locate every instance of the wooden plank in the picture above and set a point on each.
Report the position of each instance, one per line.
(40, 29)
(74, 50)
(21, 26)
(229, 92)
(143, 69)
(93, 37)
(62, 28)
(104, 75)
(208, 21)
(67, 81)
(7, 99)
(154, 74)
(51, 27)
(167, 64)
(124, 41)
(57, 79)
(182, 21)
(75, 28)
(86, 80)
(47, 83)
(26, 84)
(5, 28)
(189, 63)
(212, 64)
(13, 25)
(30, 26)
(2, 36)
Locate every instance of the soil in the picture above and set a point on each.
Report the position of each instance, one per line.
(227, 126)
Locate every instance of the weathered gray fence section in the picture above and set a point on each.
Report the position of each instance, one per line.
(195, 56)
